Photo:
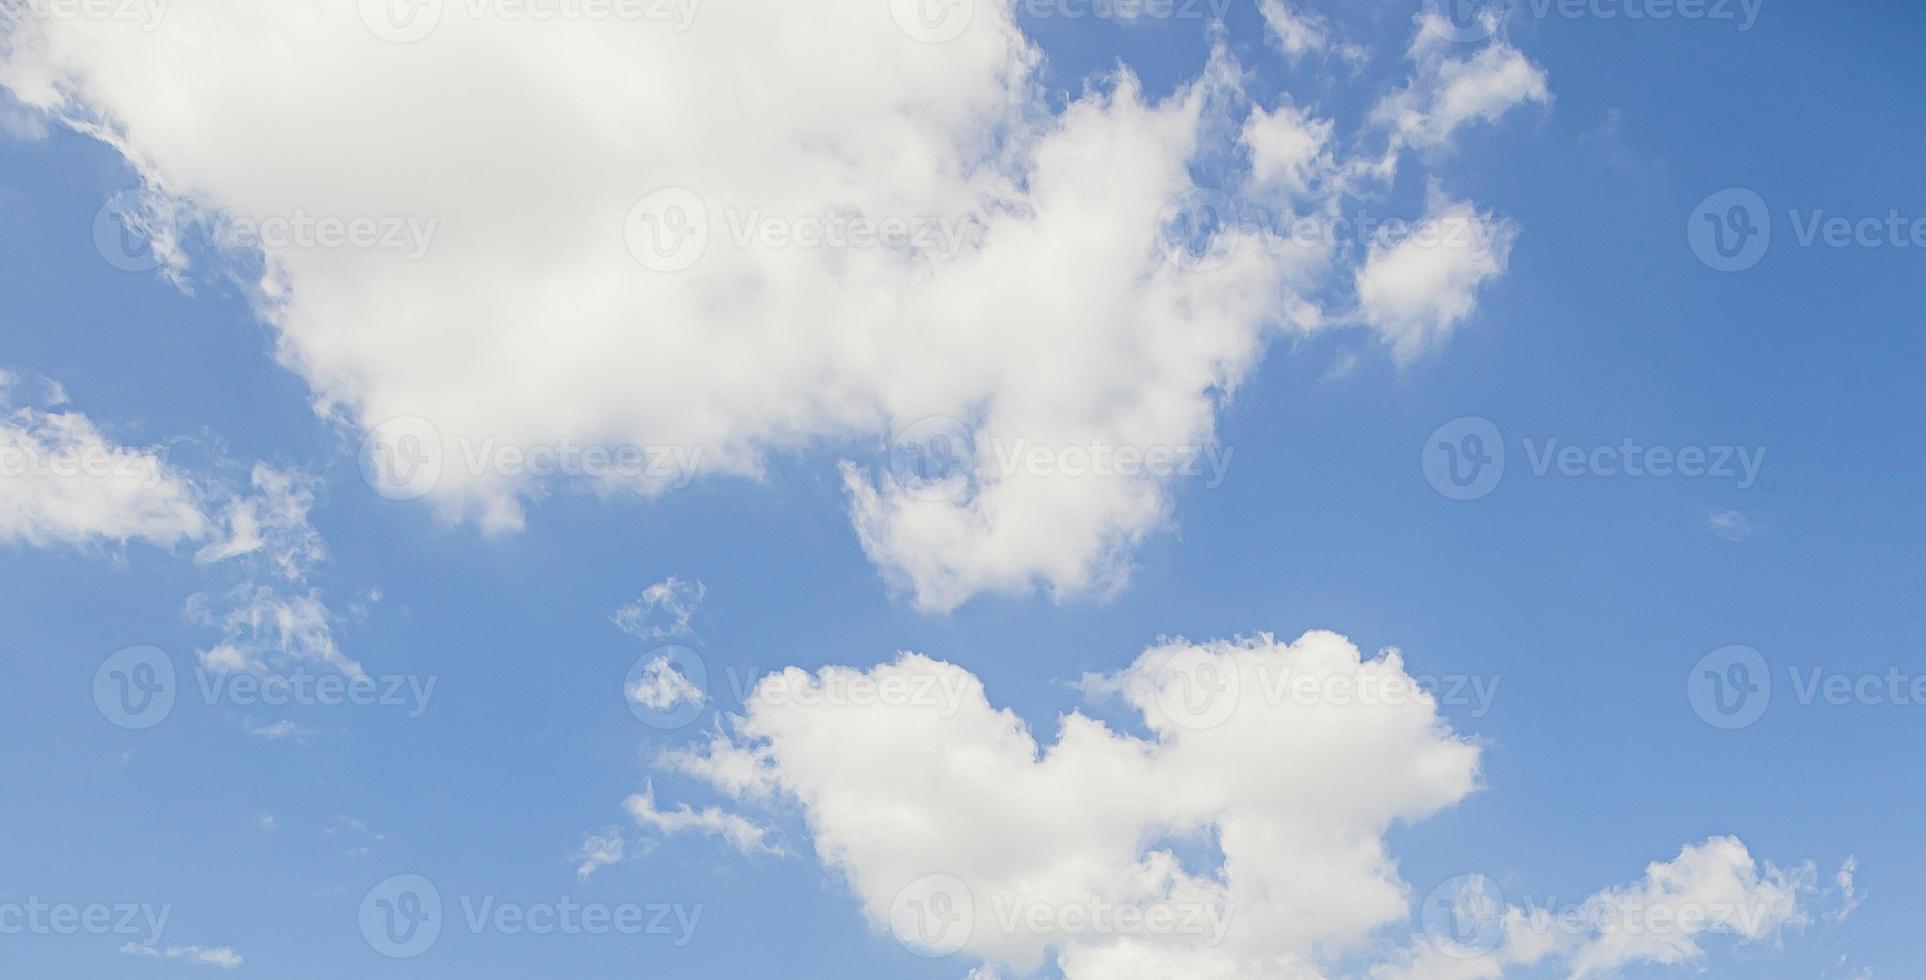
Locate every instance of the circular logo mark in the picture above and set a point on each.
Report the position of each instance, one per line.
(135, 688)
(1192, 229)
(933, 21)
(1731, 687)
(933, 916)
(401, 21)
(1468, 21)
(933, 459)
(1465, 458)
(1731, 230)
(1198, 690)
(1464, 916)
(123, 234)
(668, 231)
(401, 917)
(667, 687)
(401, 458)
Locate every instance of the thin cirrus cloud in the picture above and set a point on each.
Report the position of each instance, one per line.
(1050, 307)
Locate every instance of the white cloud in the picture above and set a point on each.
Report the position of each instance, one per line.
(1850, 897)
(1448, 92)
(660, 687)
(222, 956)
(1297, 33)
(273, 523)
(1732, 525)
(741, 833)
(63, 482)
(663, 611)
(600, 849)
(263, 627)
(1288, 147)
(1050, 313)
(1288, 799)
(1414, 289)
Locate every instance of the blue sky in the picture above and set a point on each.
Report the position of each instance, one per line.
(1582, 602)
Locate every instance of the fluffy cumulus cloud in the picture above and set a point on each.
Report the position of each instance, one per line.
(1455, 87)
(63, 482)
(1420, 282)
(622, 253)
(1237, 830)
